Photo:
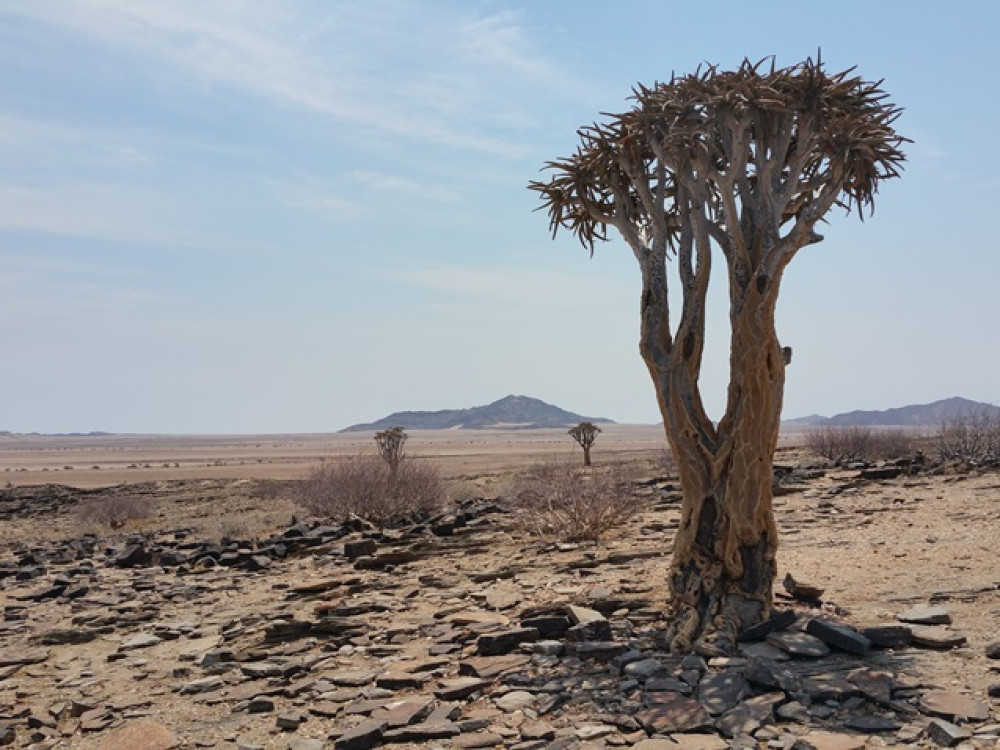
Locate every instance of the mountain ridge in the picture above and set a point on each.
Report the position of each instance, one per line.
(913, 415)
(520, 412)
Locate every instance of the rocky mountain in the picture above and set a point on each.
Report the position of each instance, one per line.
(519, 412)
(916, 415)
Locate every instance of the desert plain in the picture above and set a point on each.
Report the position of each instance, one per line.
(226, 618)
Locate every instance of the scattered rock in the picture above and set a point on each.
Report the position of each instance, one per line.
(925, 615)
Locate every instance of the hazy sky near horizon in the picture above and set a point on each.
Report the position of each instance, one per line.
(295, 215)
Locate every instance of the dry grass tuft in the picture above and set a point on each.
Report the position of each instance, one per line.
(111, 512)
(571, 504)
(370, 488)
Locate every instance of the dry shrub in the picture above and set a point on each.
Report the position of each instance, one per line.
(111, 512)
(574, 505)
(857, 443)
(972, 438)
(367, 487)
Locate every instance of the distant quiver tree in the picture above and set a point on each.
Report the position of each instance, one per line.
(737, 166)
(390, 445)
(585, 434)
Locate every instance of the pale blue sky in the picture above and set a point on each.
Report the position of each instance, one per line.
(295, 215)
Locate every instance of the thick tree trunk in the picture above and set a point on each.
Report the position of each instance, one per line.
(724, 554)
(586, 455)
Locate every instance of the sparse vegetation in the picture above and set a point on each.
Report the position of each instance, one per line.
(368, 487)
(111, 512)
(390, 445)
(569, 504)
(585, 434)
(844, 444)
(972, 438)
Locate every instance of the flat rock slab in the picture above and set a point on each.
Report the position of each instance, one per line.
(675, 715)
(839, 636)
(799, 644)
(945, 733)
(953, 705)
(888, 636)
(477, 740)
(721, 691)
(936, 636)
(924, 615)
(515, 700)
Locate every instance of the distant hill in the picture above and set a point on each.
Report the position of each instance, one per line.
(904, 416)
(518, 412)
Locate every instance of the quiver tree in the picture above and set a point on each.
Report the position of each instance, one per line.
(585, 434)
(390, 445)
(739, 166)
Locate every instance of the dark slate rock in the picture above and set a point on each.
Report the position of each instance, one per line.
(992, 650)
(360, 548)
(362, 737)
(780, 620)
(839, 636)
(134, 556)
(721, 691)
(675, 715)
(945, 733)
(548, 626)
(871, 724)
(772, 675)
(595, 630)
(459, 688)
(888, 636)
(798, 644)
(598, 650)
(504, 641)
(429, 730)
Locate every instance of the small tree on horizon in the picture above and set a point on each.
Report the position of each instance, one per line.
(390, 445)
(585, 434)
(741, 164)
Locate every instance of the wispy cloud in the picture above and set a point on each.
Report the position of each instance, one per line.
(331, 68)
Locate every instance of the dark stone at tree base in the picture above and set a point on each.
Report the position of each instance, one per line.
(772, 675)
(595, 630)
(503, 642)
(721, 691)
(839, 636)
(599, 650)
(780, 620)
(888, 636)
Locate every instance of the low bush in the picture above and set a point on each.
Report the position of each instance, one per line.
(972, 438)
(111, 512)
(857, 443)
(574, 505)
(365, 486)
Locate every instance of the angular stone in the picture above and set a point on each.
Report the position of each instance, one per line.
(644, 668)
(24, 656)
(874, 685)
(202, 685)
(400, 681)
(402, 713)
(925, 615)
(515, 700)
(353, 678)
(549, 626)
(666, 685)
(826, 687)
(258, 670)
(945, 733)
(721, 691)
(140, 735)
(953, 705)
(888, 636)
(780, 620)
(460, 688)
(64, 636)
(750, 715)
(597, 650)
(992, 650)
(583, 615)
(289, 721)
(478, 617)
(364, 736)
(839, 636)
(504, 641)
(360, 548)
(872, 724)
(799, 644)
(260, 704)
(420, 733)
(761, 650)
(772, 675)
(488, 667)
(676, 715)
(936, 636)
